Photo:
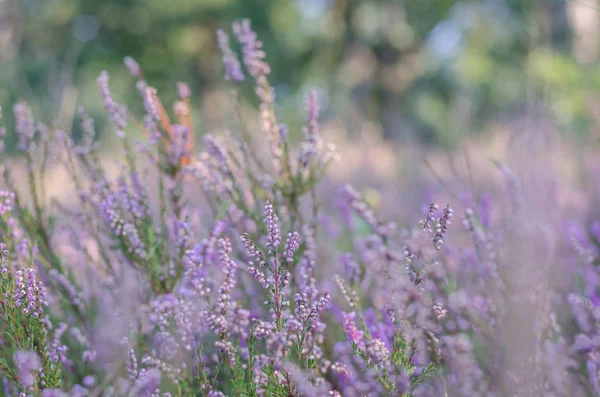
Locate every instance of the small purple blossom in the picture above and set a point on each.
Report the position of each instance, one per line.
(183, 90)
(132, 66)
(28, 364)
(251, 49)
(116, 111)
(25, 125)
(233, 69)
(352, 332)
(291, 245)
(7, 199)
(272, 222)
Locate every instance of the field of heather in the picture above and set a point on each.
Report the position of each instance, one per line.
(412, 211)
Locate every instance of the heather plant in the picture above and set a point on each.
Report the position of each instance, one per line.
(212, 274)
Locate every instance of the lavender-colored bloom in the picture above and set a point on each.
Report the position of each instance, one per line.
(218, 321)
(233, 69)
(429, 219)
(439, 312)
(79, 391)
(583, 344)
(377, 351)
(208, 248)
(251, 248)
(134, 200)
(29, 294)
(311, 131)
(362, 209)
(7, 200)
(148, 382)
(25, 125)
(183, 90)
(580, 312)
(283, 132)
(216, 150)
(303, 382)
(258, 276)
(178, 149)
(132, 365)
(116, 111)
(28, 364)
(132, 66)
(74, 295)
(272, 222)
(251, 49)
(442, 227)
(352, 332)
(125, 230)
(592, 368)
(151, 103)
(89, 381)
(291, 245)
(88, 133)
(485, 208)
(351, 267)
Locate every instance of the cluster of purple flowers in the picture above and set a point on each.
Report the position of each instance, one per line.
(29, 294)
(171, 279)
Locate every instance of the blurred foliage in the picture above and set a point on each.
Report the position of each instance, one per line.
(431, 70)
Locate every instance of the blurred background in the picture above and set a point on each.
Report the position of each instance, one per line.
(430, 72)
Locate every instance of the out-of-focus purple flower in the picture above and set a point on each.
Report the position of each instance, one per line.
(151, 103)
(132, 364)
(233, 69)
(121, 228)
(183, 90)
(283, 132)
(485, 209)
(377, 351)
(30, 294)
(352, 332)
(79, 391)
(218, 320)
(28, 364)
(74, 295)
(7, 199)
(351, 267)
(592, 369)
(311, 130)
(583, 344)
(363, 210)
(89, 381)
(429, 219)
(442, 227)
(251, 49)
(272, 222)
(148, 382)
(216, 150)
(580, 312)
(132, 66)
(291, 245)
(116, 111)
(25, 125)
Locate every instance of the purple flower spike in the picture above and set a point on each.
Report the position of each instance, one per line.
(233, 69)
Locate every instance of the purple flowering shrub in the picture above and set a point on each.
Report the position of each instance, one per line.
(211, 274)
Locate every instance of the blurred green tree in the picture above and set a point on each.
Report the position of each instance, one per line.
(431, 70)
